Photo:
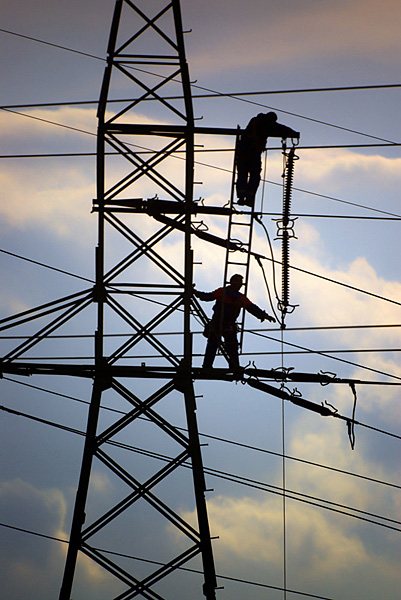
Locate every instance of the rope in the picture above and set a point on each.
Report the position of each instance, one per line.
(267, 288)
(259, 261)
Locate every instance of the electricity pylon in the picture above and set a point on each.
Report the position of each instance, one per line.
(145, 156)
(150, 58)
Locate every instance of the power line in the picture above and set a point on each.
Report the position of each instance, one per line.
(225, 440)
(154, 562)
(340, 283)
(211, 93)
(208, 165)
(14, 112)
(352, 217)
(286, 112)
(320, 353)
(265, 353)
(330, 280)
(27, 37)
(291, 494)
(308, 328)
(197, 150)
(303, 90)
(41, 264)
(229, 95)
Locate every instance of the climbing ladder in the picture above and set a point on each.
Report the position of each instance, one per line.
(239, 235)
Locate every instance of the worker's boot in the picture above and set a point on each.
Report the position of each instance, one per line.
(249, 200)
(241, 194)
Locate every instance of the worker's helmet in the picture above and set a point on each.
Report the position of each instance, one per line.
(237, 278)
(271, 116)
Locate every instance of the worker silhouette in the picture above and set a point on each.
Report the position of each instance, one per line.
(226, 309)
(251, 144)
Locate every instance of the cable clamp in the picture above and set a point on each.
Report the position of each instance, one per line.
(328, 374)
(238, 243)
(286, 308)
(334, 409)
(296, 393)
(199, 226)
(284, 370)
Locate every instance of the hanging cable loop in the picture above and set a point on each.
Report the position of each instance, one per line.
(351, 422)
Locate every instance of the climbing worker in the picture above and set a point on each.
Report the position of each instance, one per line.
(226, 309)
(251, 144)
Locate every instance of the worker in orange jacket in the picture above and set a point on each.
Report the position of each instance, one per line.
(228, 304)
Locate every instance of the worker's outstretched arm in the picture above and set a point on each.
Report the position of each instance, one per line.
(279, 130)
(259, 313)
(206, 296)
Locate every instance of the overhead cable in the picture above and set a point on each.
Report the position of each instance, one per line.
(32, 39)
(204, 164)
(291, 494)
(154, 562)
(214, 92)
(223, 440)
(46, 266)
(320, 353)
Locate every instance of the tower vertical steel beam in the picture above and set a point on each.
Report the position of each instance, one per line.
(78, 519)
(210, 583)
(82, 492)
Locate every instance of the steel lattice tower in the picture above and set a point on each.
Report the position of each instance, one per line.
(148, 73)
(146, 62)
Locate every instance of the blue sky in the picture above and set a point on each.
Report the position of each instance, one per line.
(45, 209)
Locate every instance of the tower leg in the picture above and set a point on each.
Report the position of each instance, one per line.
(82, 492)
(209, 586)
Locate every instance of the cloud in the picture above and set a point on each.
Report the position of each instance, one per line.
(339, 168)
(31, 566)
(28, 561)
(323, 303)
(319, 547)
(50, 193)
(58, 198)
(60, 123)
(318, 31)
(325, 549)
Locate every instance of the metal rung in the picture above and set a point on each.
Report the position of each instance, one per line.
(240, 223)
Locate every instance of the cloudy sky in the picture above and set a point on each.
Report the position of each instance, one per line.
(347, 321)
